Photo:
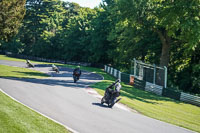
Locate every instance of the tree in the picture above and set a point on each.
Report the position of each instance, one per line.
(99, 45)
(11, 15)
(171, 20)
(77, 37)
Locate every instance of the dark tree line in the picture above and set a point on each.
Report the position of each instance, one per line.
(164, 32)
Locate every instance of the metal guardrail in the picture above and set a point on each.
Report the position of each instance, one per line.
(190, 98)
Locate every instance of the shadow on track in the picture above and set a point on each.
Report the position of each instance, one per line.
(53, 82)
(100, 105)
(67, 72)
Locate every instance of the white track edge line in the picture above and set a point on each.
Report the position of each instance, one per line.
(68, 128)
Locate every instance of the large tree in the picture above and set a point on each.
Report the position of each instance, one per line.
(11, 16)
(170, 19)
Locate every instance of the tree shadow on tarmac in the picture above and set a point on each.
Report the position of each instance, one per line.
(53, 82)
(67, 72)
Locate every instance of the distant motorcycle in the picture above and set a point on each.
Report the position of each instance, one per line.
(29, 64)
(76, 76)
(55, 68)
(110, 95)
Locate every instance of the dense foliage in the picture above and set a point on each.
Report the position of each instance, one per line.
(11, 15)
(164, 32)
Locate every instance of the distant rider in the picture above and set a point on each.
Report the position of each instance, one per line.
(29, 63)
(77, 72)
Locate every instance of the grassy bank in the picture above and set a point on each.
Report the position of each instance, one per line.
(161, 108)
(16, 118)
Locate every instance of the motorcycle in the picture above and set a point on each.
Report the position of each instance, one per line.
(109, 98)
(76, 76)
(55, 68)
(29, 64)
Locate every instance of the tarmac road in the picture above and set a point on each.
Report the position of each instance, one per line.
(70, 104)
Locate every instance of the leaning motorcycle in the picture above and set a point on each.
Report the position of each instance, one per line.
(109, 98)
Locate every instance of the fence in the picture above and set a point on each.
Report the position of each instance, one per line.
(149, 73)
(146, 85)
(46, 60)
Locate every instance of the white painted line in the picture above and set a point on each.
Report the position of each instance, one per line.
(68, 128)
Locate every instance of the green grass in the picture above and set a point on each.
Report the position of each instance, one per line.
(4, 57)
(161, 108)
(149, 104)
(16, 118)
(17, 72)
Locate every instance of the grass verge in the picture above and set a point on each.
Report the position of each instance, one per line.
(17, 72)
(16, 118)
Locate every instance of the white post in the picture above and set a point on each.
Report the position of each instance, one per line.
(165, 68)
(119, 75)
(111, 70)
(154, 73)
(105, 68)
(115, 73)
(108, 69)
(134, 67)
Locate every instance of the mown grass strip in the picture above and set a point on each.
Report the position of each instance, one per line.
(17, 72)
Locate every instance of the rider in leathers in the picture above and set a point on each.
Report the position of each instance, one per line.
(78, 71)
(116, 91)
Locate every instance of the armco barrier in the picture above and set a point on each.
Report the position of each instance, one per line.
(171, 93)
(125, 77)
(190, 98)
(140, 84)
(153, 88)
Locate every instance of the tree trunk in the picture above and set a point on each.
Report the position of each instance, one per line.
(165, 40)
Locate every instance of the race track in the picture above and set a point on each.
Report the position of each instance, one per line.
(70, 103)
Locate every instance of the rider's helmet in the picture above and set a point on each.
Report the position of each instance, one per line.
(118, 81)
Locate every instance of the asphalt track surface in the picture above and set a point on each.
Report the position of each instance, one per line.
(70, 104)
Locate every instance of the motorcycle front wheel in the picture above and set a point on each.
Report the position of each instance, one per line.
(103, 100)
(75, 79)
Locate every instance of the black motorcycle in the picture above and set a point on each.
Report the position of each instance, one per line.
(76, 76)
(110, 97)
(55, 68)
(29, 64)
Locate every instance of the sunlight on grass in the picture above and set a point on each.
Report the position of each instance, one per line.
(17, 72)
(16, 118)
(158, 107)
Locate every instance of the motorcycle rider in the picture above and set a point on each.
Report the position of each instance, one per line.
(77, 70)
(29, 64)
(55, 68)
(116, 90)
